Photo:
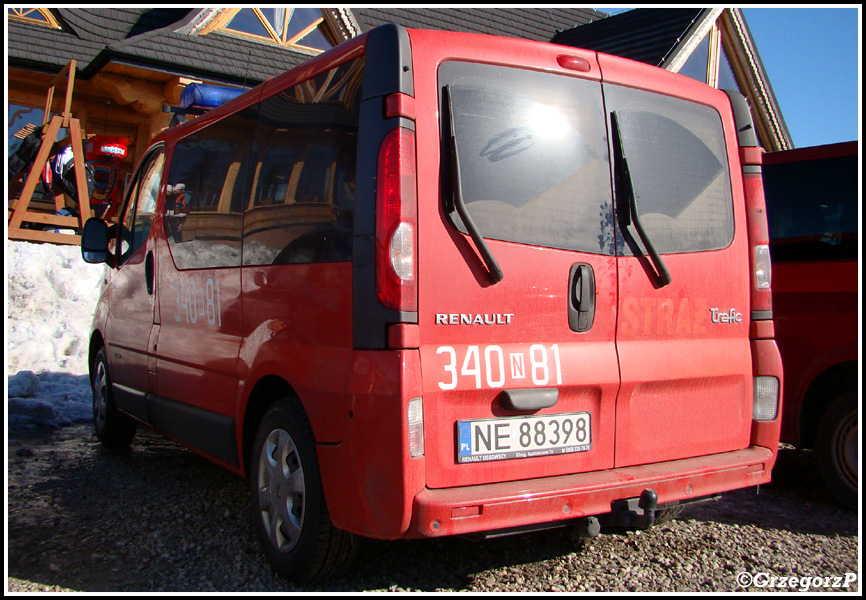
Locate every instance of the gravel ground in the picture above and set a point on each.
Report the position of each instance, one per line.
(160, 518)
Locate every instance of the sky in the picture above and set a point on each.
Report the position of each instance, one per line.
(812, 58)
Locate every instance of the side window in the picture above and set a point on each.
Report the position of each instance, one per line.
(301, 209)
(137, 218)
(812, 209)
(207, 187)
(679, 170)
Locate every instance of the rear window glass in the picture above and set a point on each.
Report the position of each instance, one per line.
(306, 144)
(533, 156)
(679, 169)
(812, 208)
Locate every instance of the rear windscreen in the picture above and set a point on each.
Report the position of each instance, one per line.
(533, 156)
(677, 161)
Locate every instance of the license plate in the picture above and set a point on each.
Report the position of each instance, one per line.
(523, 437)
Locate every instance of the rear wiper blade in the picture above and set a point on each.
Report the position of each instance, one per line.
(493, 270)
(630, 215)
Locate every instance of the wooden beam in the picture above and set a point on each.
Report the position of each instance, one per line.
(713, 56)
(80, 174)
(304, 32)
(145, 97)
(34, 235)
(50, 219)
(67, 72)
(33, 178)
(221, 19)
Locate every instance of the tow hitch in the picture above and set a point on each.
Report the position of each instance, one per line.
(629, 513)
(632, 513)
(635, 513)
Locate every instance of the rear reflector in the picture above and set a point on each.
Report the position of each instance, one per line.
(765, 405)
(416, 427)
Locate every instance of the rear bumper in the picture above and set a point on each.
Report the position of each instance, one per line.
(471, 509)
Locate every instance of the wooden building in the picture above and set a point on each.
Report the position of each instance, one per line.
(130, 63)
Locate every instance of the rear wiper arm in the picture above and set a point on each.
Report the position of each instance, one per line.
(494, 271)
(632, 216)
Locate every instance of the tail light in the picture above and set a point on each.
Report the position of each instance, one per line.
(759, 235)
(767, 386)
(396, 222)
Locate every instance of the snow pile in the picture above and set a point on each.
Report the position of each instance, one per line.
(50, 298)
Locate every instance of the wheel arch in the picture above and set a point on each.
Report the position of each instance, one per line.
(96, 342)
(819, 395)
(265, 392)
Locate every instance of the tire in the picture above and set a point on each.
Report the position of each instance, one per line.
(665, 515)
(112, 428)
(288, 503)
(837, 447)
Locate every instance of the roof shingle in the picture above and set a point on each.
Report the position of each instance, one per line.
(151, 37)
(539, 24)
(647, 35)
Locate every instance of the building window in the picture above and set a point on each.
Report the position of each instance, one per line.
(40, 16)
(697, 63)
(709, 63)
(303, 29)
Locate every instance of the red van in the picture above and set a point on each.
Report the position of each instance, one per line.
(812, 203)
(433, 283)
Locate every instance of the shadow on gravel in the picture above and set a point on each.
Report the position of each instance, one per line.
(89, 519)
(84, 518)
(161, 518)
(451, 563)
(796, 500)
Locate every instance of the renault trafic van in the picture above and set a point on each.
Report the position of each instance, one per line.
(431, 284)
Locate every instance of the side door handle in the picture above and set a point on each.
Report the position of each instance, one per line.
(581, 297)
(148, 272)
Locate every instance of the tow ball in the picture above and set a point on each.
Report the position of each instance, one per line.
(636, 513)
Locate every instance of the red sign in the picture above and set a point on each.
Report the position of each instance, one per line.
(106, 147)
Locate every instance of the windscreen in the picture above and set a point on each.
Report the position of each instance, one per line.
(533, 156)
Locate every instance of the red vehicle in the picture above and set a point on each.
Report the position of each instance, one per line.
(812, 203)
(432, 284)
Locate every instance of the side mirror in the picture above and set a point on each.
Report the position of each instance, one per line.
(94, 241)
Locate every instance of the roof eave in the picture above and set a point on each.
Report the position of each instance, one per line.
(771, 123)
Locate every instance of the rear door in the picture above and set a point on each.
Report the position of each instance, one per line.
(520, 374)
(683, 322)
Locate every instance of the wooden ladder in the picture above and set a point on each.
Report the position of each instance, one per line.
(21, 212)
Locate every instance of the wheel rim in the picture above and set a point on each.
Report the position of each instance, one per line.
(845, 449)
(100, 395)
(281, 490)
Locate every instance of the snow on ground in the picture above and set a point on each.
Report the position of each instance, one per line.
(51, 294)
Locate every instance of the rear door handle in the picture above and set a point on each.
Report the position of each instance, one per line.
(581, 297)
